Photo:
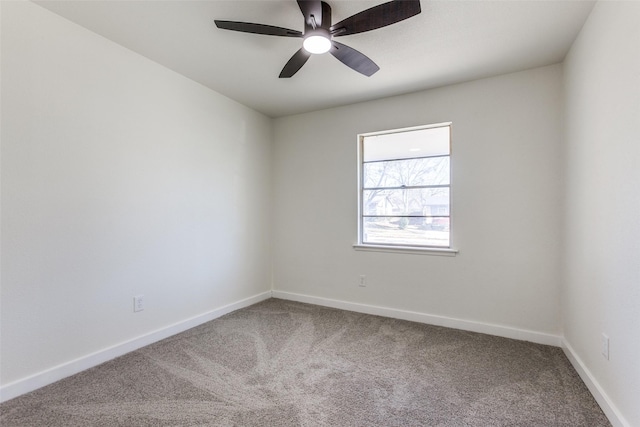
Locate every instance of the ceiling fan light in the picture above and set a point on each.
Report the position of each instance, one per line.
(317, 44)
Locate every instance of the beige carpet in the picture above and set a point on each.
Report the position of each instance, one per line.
(281, 363)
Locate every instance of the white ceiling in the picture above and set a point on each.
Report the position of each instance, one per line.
(449, 42)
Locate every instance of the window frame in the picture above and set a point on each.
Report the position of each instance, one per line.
(399, 248)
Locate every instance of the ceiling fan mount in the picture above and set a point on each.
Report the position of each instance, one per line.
(319, 33)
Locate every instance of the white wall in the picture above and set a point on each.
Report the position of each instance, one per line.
(119, 178)
(506, 204)
(601, 275)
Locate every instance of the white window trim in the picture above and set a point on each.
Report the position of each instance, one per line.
(406, 249)
(419, 250)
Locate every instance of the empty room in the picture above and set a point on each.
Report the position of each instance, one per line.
(306, 213)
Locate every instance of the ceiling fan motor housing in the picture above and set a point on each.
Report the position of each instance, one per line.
(323, 21)
(317, 35)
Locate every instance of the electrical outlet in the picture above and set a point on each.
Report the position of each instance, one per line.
(605, 346)
(363, 281)
(138, 303)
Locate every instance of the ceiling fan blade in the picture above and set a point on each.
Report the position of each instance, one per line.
(377, 17)
(247, 27)
(311, 8)
(354, 59)
(295, 63)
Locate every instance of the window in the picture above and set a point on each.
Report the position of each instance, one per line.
(405, 188)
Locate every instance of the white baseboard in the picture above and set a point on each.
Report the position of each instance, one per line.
(41, 379)
(466, 325)
(609, 409)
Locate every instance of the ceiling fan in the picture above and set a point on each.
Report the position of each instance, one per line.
(318, 32)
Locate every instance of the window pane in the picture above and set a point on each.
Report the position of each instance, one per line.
(406, 231)
(410, 172)
(419, 202)
(406, 145)
(405, 187)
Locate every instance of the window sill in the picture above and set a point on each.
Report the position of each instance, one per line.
(406, 250)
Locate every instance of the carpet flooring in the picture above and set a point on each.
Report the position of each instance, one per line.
(282, 363)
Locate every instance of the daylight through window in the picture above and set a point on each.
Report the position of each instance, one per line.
(405, 187)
